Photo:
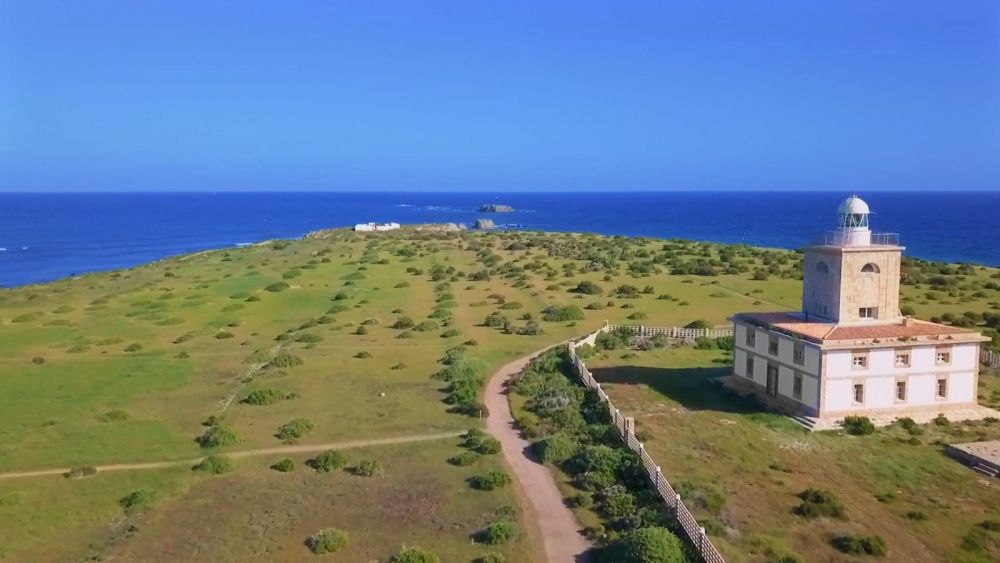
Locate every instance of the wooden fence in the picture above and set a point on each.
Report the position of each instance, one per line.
(692, 532)
(989, 358)
(674, 331)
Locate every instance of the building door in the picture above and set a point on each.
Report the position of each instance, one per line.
(772, 380)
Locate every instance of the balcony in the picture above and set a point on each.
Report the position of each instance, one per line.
(841, 238)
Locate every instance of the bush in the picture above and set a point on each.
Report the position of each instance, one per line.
(463, 459)
(327, 540)
(414, 555)
(858, 425)
(816, 503)
(367, 468)
(860, 545)
(217, 436)
(587, 288)
(492, 558)
(363, 355)
(263, 397)
(426, 326)
(490, 480)
(81, 472)
(285, 360)
(286, 465)
(116, 415)
(277, 286)
(215, 464)
(556, 448)
(646, 545)
(308, 338)
(941, 420)
(361, 330)
(403, 323)
(134, 347)
(488, 446)
(136, 501)
(294, 429)
(553, 313)
(498, 532)
(327, 461)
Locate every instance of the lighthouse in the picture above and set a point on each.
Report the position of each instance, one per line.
(849, 350)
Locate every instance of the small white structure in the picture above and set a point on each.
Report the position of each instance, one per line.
(372, 227)
(849, 350)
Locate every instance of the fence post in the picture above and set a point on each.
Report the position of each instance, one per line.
(658, 478)
(701, 541)
(677, 503)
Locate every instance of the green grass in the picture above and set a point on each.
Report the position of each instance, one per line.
(55, 412)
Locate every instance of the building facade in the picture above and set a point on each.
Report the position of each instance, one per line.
(849, 350)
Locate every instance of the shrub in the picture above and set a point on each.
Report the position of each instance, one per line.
(308, 338)
(860, 545)
(556, 448)
(490, 480)
(277, 286)
(816, 503)
(463, 459)
(361, 330)
(553, 313)
(217, 436)
(215, 465)
(327, 540)
(367, 468)
(858, 425)
(403, 323)
(285, 360)
(285, 465)
(136, 501)
(488, 446)
(414, 555)
(263, 397)
(362, 355)
(492, 558)
(426, 326)
(133, 347)
(38, 360)
(327, 461)
(294, 429)
(451, 333)
(81, 472)
(116, 415)
(941, 420)
(646, 545)
(498, 532)
(587, 288)
(223, 335)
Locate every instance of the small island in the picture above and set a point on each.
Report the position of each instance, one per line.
(495, 208)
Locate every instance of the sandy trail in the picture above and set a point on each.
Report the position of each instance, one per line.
(277, 450)
(556, 523)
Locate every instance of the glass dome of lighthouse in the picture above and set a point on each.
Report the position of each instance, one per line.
(852, 222)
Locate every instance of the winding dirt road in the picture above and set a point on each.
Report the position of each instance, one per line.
(545, 506)
(278, 450)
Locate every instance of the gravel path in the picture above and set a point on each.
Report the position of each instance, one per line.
(545, 506)
(277, 450)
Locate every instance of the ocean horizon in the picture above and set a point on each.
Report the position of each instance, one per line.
(48, 236)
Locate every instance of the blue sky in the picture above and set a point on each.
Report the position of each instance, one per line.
(481, 95)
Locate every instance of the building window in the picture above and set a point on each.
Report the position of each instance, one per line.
(942, 357)
(772, 345)
(902, 359)
(870, 268)
(859, 361)
(797, 386)
(859, 393)
(868, 312)
(942, 388)
(822, 268)
(749, 372)
(799, 353)
(751, 337)
(900, 391)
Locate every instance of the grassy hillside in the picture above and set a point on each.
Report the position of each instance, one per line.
(135, 365)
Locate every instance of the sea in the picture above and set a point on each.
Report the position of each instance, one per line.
(47, 236)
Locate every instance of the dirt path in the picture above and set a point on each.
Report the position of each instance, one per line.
(277, 450)
(556, 523)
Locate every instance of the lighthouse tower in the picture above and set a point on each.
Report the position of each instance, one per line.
(853, 276)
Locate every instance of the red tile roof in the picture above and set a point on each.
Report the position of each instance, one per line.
(828, 331)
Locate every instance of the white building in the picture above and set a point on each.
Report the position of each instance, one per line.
(372, 227)
(850, 351)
